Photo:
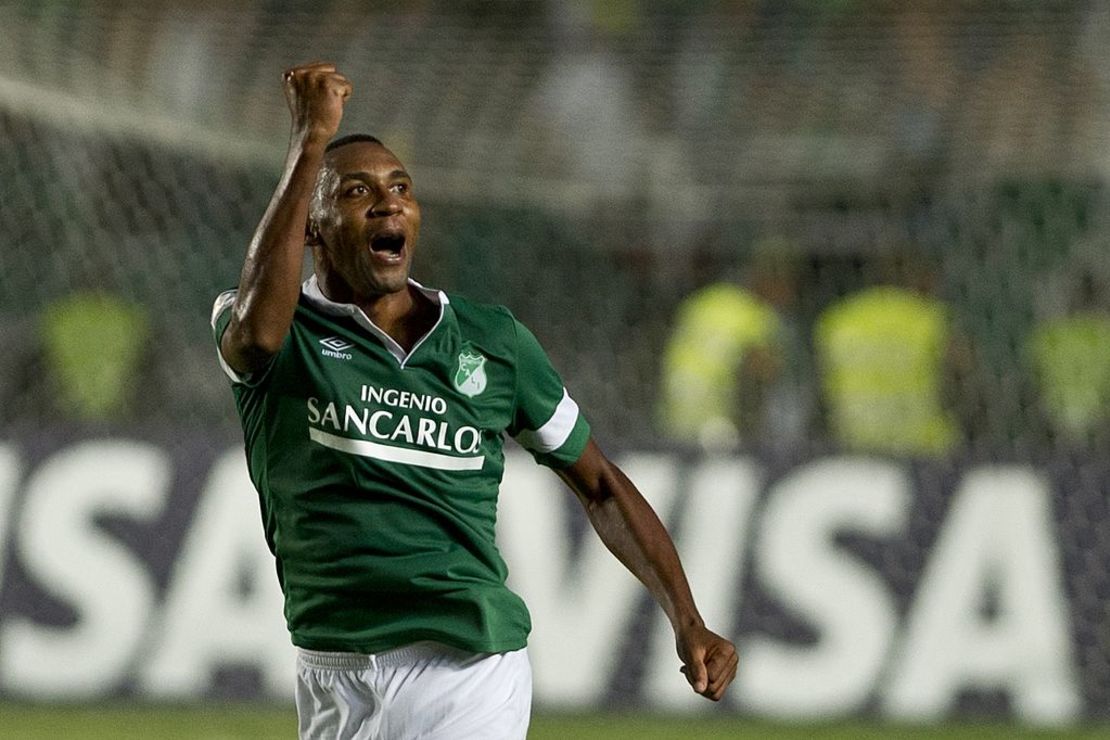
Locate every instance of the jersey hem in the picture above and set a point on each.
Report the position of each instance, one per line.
(370, 647)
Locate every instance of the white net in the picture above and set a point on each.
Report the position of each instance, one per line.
(585, 163)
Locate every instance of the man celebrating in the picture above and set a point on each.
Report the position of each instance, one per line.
(373, 411)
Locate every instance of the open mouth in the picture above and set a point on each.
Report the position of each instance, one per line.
(388, 245)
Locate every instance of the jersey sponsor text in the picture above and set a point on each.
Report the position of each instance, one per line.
(403, 399)
(385, 425)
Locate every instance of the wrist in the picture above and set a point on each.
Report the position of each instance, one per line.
(309, 140)
(686, 621)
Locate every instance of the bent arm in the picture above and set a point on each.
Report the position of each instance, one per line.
(631, 530)
(270, 283)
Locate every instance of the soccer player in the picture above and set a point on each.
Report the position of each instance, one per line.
(373, 411)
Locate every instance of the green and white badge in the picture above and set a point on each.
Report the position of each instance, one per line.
(470, 378)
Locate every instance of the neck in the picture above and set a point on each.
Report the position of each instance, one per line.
(401, 315)
(405, 315)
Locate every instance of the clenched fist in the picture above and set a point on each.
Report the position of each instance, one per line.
(316, 93)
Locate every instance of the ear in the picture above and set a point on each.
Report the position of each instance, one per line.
(311, 233)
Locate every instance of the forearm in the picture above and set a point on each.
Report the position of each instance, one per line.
(269, 284)
(631, 530)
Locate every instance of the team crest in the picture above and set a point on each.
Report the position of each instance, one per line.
(470, 378)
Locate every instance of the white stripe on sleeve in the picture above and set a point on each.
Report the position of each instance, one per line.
(223, 303)
(555, 431)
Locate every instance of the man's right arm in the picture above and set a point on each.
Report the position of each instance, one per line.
(270, 282)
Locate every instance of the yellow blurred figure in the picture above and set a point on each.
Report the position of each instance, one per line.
(717, 329)
(93, 343)
(1068, 350)
(736, 368)
(881, 353)
(1071, 358)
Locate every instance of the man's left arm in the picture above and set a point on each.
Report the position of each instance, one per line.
(631, 530)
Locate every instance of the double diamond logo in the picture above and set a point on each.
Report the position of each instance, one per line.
(336, 344)
(336, 347)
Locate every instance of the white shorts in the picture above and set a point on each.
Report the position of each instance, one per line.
(424, 690)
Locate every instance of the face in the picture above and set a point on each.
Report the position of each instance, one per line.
(364, 222)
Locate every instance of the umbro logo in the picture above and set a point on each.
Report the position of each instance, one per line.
(337, 348)
(336, 344)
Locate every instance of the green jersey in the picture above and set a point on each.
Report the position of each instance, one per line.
(378, 470)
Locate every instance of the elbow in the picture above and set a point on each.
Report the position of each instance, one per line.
(250, 338)
(603, 491)
(248, 348)
(254, 332)
(263, 343)
(593, 478)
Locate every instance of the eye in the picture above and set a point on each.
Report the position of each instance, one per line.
(400, 187)
(358, 189)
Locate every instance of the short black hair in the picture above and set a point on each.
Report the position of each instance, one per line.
(352, 139)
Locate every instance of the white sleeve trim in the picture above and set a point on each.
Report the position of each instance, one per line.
(223, 303)
(555, 431)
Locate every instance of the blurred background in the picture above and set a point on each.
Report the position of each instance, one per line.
(861, 234)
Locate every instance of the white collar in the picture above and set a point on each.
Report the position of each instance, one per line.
(311, 290)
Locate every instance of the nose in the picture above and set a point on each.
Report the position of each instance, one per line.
(387, 205)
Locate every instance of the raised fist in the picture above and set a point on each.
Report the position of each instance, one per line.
(316, 94)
